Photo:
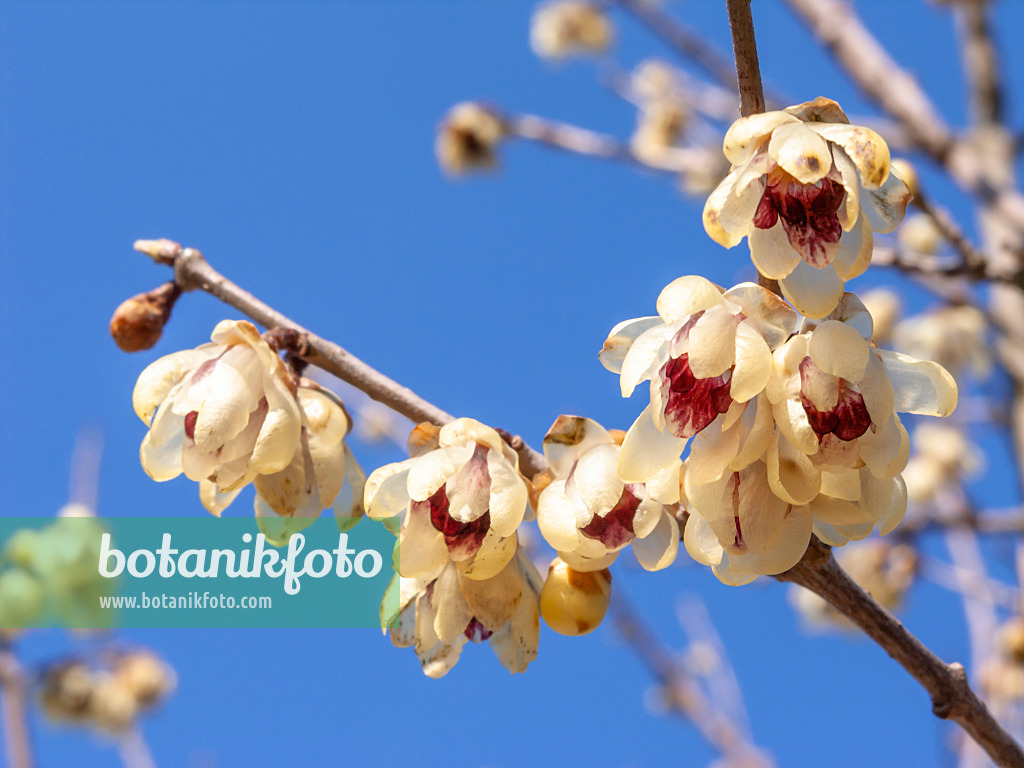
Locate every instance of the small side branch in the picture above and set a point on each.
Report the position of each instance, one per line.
(952, 697)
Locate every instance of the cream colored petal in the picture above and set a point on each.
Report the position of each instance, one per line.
(569, 438)
(228, 399)
(792, 476)
(161, 449)
(920, 386)
(753, 364)
(647, 450)
(279, 435)
(421, 547)
(814, 292)
(886, 206)
(664, 486)
(886, 451)
(700, 541)
(757, 427)
(646, 517)
(722, 231)
(853, 256)
(621, 338)
(792, 421)
(865, 148)
(801, 152)
(452, 613)
(556, 518)
(278, 530)
(508, 495)
(772, 253)
(290, 489)
(328, 468)
(494, 601)
(596, 479)
(348, 504)
(161, 376)
(659, 548)
(648, 353)
(386, 493)
(711, 451)
(215, 501)
(468, 490)
(494, 554)
(849, 214)
(748, 133)
(838, 349)
(774, 319)
(686, 296)
(896, 509)
(516, 643)
(876, 389)
(464, 431)
(713, 343)
(844, 484)
(429, 472)
(790, 543)
(324, 417)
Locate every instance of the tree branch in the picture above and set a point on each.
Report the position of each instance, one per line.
(192, 272)
(952, 697)
(12, 700)
(980, 63)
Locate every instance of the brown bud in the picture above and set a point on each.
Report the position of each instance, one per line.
(139, 322)
(112, 708)
(66, 692)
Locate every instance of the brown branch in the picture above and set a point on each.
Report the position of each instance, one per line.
(973, 258)
(684, 695)
(13, 701)
(952, 697)
(192, 272)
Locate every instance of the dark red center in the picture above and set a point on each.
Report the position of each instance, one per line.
(809, 214)
(691, 403)
(848, 420)
(616, 528)
(466, 537)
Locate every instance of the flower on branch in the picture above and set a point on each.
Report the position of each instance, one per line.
(807, 190)
(589, 515)
(438, 612)
(708, 356)
(223, 412)
(564, 28)
(460, 498)
(323, 473)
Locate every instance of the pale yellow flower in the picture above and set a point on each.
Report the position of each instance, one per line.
(807, 190)
(224, 412)
(460, 497)
(562, 28)
(440, 611)
(468, 139)
(589, 515)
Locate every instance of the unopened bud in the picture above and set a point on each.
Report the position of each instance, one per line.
(146, 677)
(139, 322)
(112, 707)
(919, 234)
(468, 139)
(162, 251)
(66, 693)
(1011, 639)
(574, 602)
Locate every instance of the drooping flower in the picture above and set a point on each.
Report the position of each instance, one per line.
(562, 28)
(438, 612)
(323, 472)
(224, 412)
(840, 445)
(708, 354)
(741, 528)
(807, 190)
(589, 515)
(461, 498)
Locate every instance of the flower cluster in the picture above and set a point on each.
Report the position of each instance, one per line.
(793, 433)
(228, 414)
(807, 190)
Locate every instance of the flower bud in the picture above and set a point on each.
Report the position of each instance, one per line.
(162, 251)
(920, 235)
(139, 322)
(146, 677)
(569, 27)
(468, 139)
(112, 706)
(573, 602)
(1011, 639)
(66, 692)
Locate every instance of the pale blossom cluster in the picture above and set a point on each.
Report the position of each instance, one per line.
(794, 430)
(563, 28)
(228, 414)
(953, 336)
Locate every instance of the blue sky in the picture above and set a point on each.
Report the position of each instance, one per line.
(293, 144)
